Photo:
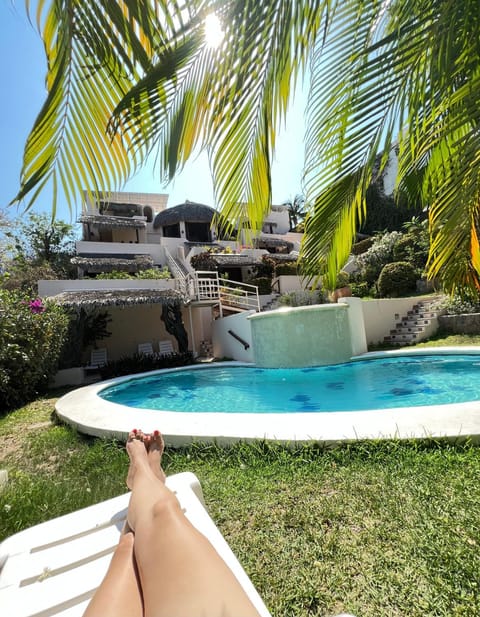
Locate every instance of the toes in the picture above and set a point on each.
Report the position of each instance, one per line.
(147, 440)
(157, 439)
(138, 435)
(134, 434)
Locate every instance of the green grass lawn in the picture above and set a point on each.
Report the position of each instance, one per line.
(377, 529)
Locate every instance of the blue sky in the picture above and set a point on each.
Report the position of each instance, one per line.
(23, 92)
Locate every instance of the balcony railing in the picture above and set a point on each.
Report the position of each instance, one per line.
(206, 286)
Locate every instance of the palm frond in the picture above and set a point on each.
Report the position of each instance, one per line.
(96, 51)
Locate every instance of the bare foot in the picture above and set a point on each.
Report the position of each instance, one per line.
(137, 450)
(155, 448)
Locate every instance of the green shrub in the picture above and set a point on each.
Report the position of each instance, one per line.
(462, 305)
(397, 279)
(343, 279)
(154, 273)
(113, 274)
(362, 246)
(204, 261)
(149, 273)
(413, 248)
(378, 255)
(286, 269)
(31, 339)
(264, 285)
(361, 289)
(303, 298)
(265, 268)
(142, 363)
(85, 329)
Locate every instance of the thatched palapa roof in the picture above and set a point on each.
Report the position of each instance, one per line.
(264, 242)
(280, 257)
(188, 211)
(233, 260)
(107, 264)
(112, 222)
(118, 297)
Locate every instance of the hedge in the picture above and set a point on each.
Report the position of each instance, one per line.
(31, 338)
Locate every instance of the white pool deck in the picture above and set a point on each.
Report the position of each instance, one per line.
(90, 414)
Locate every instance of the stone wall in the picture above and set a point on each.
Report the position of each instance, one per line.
(460, 324)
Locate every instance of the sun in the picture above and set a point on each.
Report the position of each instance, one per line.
(213, 30)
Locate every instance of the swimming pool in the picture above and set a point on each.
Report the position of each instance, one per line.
(381, 383)
(86, 410)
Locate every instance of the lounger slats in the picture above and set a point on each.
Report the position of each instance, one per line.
(53, 569)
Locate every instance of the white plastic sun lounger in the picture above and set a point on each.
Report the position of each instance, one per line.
(53, 569)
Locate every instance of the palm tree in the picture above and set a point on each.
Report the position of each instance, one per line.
(296, 210)
(131, 77)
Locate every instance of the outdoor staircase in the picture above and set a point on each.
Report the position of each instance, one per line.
(207, 287)
(418, 324)
(272, 303)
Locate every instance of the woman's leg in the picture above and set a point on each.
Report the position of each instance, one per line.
(181, 574)
(119, 594)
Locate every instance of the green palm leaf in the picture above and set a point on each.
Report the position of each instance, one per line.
(403, 71)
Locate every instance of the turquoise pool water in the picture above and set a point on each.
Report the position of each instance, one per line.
(383, 383)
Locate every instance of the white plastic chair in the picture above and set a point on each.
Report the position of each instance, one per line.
(145, 349)
(165, 347)
(98, 358)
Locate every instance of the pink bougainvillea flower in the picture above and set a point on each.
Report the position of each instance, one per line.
(36, 306)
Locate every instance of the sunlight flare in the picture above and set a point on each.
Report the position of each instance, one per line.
(213, 30)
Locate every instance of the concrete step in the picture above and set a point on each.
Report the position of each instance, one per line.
(407, 330)
(422, 314)
(412, 324)
(410, 336)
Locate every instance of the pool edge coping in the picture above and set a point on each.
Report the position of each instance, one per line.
(90, 414)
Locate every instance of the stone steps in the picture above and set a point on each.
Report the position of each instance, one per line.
(411, 328)
(271, 304)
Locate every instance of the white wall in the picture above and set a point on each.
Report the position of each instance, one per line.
(198, 323)
(285, 283)
(381, 316)
(279, 215)
(357, 325)
(157, 201)
(224, 345)
(127, 248)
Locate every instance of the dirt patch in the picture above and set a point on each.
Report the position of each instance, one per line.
(12, 444)
(38, 425)
(12, 448)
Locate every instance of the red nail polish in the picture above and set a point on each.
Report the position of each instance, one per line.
(156, 433)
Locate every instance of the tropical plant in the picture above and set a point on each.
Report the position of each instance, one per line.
(31, 339)
(148, 273)
(371, 262)
(456, 305)
(303, 298)
(204, 262)
(37, 247)
(130, 76)
(296, 210)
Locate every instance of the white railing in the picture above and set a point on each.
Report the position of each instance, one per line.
(206, 286)
(181, 279)
(239, 295)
